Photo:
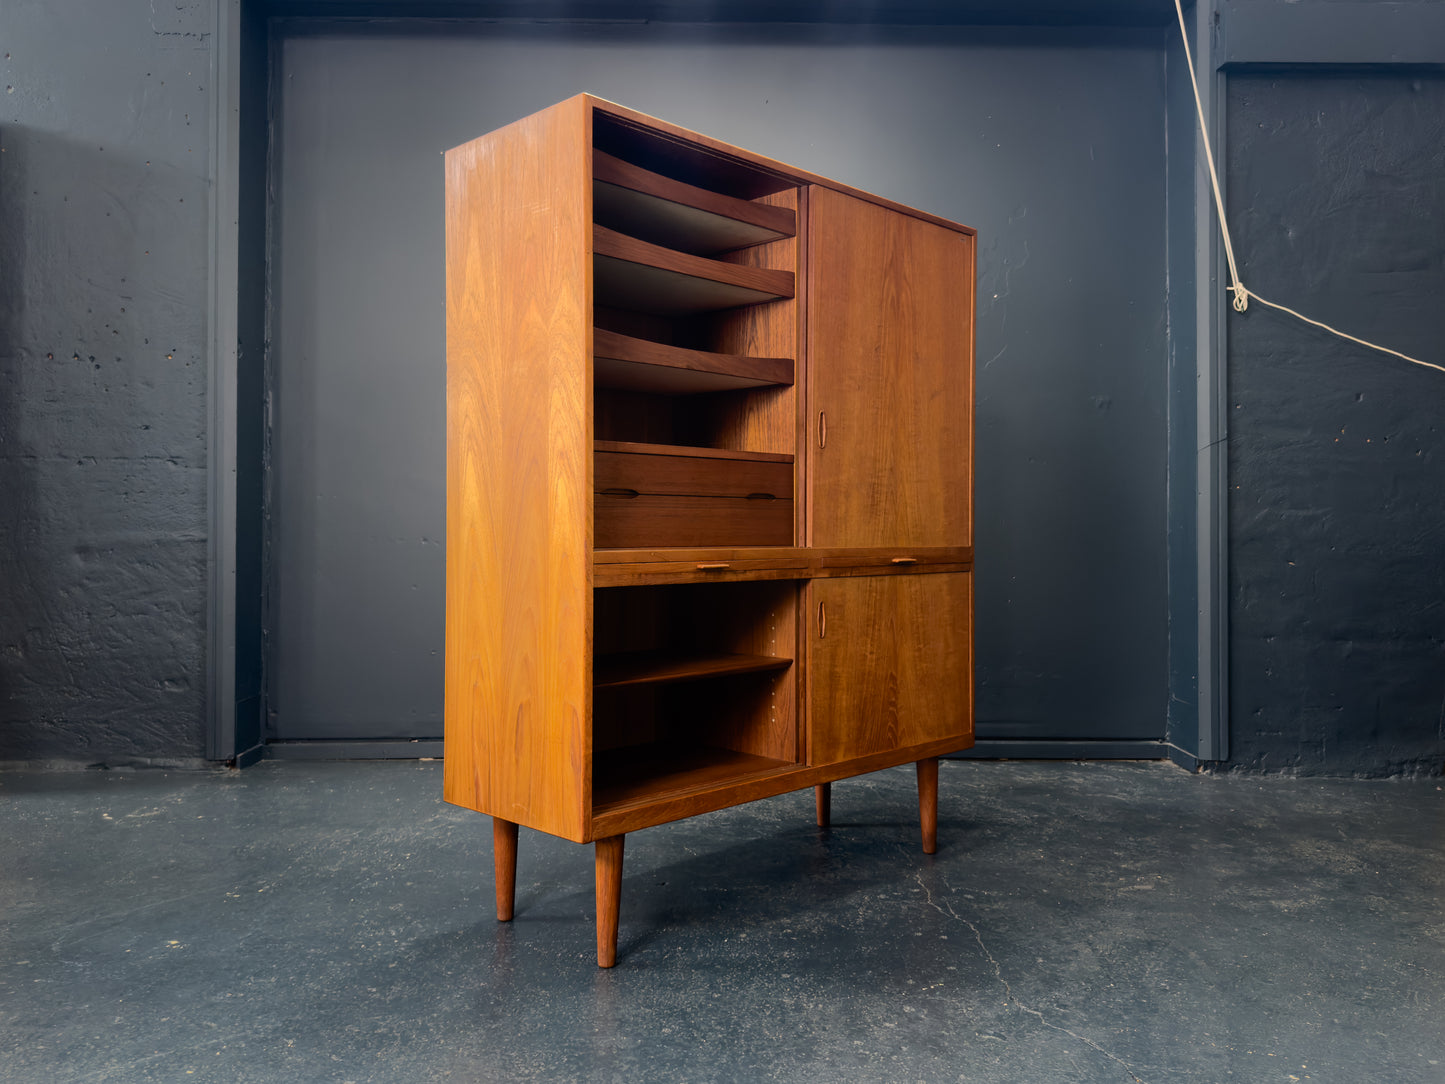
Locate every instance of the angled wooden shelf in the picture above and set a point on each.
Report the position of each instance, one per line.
(638, 448)
(676, 215)
(633, 274)
(631, 364)
(661, 667)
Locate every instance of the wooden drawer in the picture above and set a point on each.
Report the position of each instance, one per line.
(692, 475)
(649, 495)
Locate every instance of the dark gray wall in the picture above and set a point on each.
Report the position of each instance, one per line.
(1337, 453)
(103, 525)
(104, 152)
(1050, 142)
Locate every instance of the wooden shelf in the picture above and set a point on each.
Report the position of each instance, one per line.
(629, 364)
(666, 667)
(649, 206)
(637, 775)
(635, 448)
(633, 274)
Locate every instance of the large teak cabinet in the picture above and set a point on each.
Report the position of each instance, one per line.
(709, 483)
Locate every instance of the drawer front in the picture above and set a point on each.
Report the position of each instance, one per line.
(692, 476)
(684, 520)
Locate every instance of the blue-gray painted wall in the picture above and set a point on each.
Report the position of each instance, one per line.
(104, 231)
(1049, 142)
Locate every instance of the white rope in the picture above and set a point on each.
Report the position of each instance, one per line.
(1242, 295)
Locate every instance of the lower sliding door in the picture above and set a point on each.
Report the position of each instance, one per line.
(890, 663)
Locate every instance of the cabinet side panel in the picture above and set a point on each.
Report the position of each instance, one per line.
(518, 675)
(891, 328)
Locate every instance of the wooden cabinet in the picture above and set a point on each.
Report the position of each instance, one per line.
(709, 476)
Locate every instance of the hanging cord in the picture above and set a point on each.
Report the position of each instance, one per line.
(1241, 295)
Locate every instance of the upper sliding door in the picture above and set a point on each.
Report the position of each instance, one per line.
(890, 310)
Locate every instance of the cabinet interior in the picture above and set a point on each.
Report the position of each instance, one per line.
(692, 683)
(694, 343)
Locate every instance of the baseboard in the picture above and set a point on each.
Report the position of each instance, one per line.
(1044, 749)
(344, 749)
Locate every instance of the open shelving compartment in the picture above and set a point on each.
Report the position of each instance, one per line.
(693, 685)
(695, 340)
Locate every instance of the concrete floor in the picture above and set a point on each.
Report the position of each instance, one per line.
(1081, 922)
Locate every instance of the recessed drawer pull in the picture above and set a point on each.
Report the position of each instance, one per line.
(626, 494)
(761, 497)
(904, 561)
(712, 566)
(822, 429)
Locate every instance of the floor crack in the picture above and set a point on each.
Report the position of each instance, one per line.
(947, 910)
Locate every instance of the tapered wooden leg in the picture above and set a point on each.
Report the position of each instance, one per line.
(504, 862)
(823, 796)
(609, 897)
(928, 803)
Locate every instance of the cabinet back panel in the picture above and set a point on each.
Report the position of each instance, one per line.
(765, 420)
(754, 714)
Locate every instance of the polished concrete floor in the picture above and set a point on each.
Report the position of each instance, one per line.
(1080, 922)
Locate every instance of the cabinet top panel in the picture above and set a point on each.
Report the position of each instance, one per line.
(707, 162)
(703, 162)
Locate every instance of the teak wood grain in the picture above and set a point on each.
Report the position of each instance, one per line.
(519, 473)
(890, 377)
(891, 664)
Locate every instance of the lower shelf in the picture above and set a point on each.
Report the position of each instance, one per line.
(657, 667)
(639, 774)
